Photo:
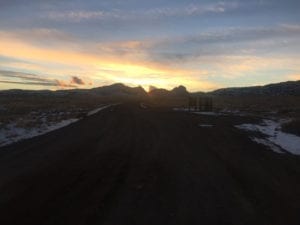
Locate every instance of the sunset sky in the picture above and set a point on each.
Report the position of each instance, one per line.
(204, 45)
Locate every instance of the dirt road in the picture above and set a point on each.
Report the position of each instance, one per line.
(132, 166)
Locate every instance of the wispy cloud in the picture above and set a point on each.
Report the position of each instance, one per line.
(234, 35)
(27, 78)
(77, 16)
(193, 9)
(153, 13)
(89, 56)
(13, 77)
(233, 41)
(39, 36)
(29, 83)
(196, 60)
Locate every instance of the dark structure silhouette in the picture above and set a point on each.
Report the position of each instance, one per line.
(200, 104)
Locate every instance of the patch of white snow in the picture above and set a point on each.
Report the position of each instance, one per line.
(209, 113)
(275, 136)
(12, 133)
(206, 125)
(97, 110)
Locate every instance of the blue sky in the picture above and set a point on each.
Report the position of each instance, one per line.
(203, 45)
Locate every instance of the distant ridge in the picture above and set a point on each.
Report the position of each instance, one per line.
(114, 90)
(119, 89)
(289, 88)
(280, 96)
(179, 91)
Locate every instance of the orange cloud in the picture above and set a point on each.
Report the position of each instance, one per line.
(13, 47)
(126, 62)
(132, 69)
(63, 84)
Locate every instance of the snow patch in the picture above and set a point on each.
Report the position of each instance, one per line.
(268, 143)
(39, 123)
(12, 133)
(206, 125)
(224, 112)
(275, 137)
(210, 113)
(97, 110)
(182, 109)
(143, 106)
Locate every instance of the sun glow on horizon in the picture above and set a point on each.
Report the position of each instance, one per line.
(53, 54)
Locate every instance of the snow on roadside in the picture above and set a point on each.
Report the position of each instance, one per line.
(97, 110)
(206, 125)
(223, 113)
(182, 109)
(212, 113)
(268, 143)
(12, 133)
(209, 113)
(193, 110)
(275, 137)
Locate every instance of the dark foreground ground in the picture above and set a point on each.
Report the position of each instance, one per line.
(130, 166)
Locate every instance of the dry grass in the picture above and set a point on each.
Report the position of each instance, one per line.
(28, 110)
